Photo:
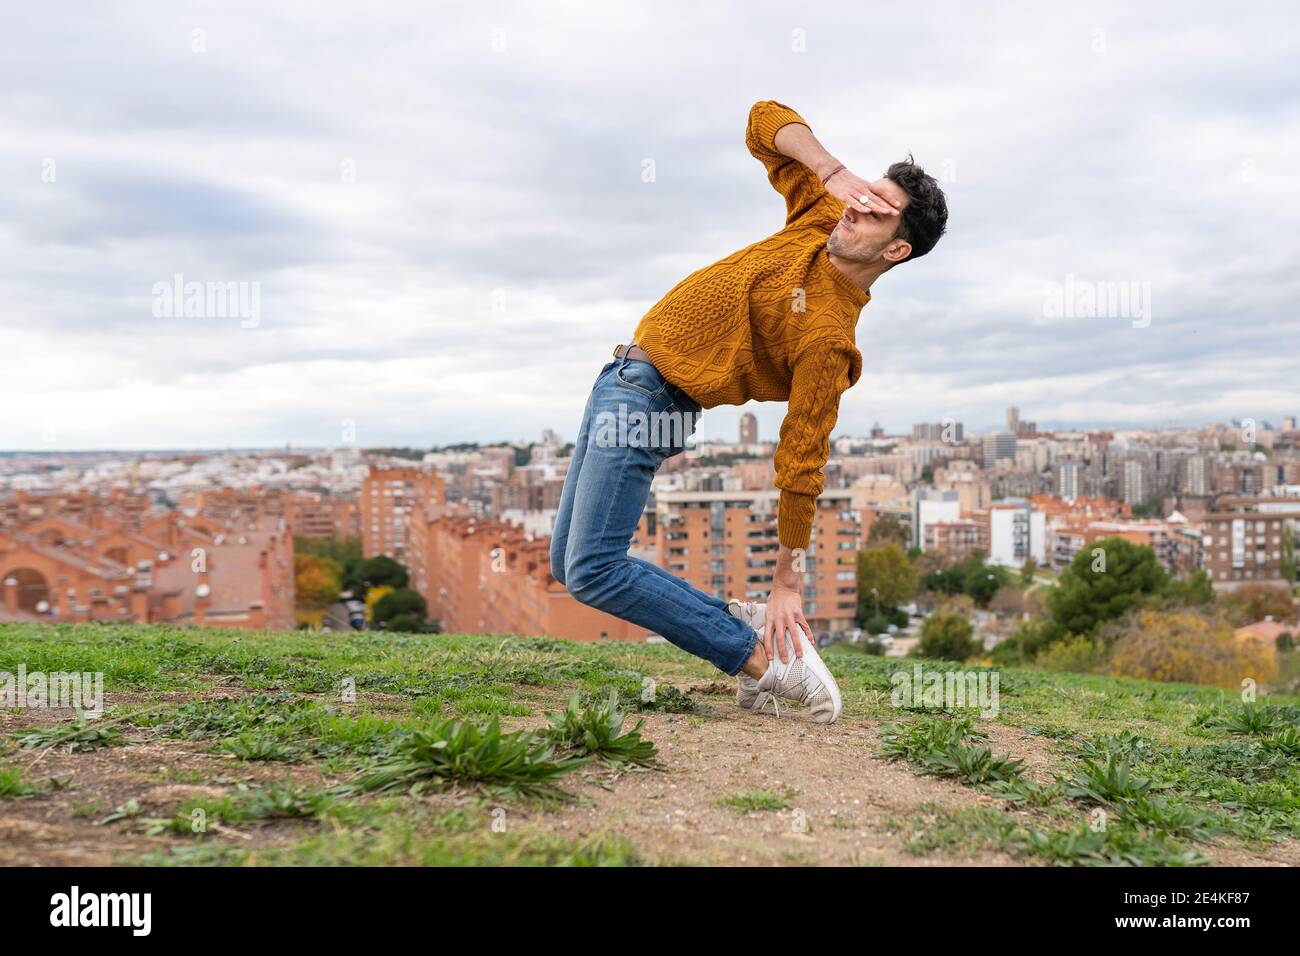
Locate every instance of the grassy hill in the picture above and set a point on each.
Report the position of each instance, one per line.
(222, 747)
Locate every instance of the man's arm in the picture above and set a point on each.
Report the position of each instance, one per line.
(771, 125)
(797, 164)
(821, 376)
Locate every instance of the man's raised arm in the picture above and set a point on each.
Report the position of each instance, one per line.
(799, 167)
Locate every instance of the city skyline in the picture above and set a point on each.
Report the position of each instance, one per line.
(447, 250)
(902, 432)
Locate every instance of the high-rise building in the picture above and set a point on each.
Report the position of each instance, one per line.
(389, 496)
(1068, 474)
(1133, 480)
(1198, 475)
(999, 446)
(748, 429)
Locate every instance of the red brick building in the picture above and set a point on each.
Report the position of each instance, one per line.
(92, 558)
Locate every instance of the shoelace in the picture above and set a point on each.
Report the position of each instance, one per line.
(776, 708)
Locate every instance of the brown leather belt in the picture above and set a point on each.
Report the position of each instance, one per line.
(633, 351)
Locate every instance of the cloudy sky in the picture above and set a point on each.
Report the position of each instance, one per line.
(442, 212)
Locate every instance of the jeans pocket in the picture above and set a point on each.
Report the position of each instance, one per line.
(640, 377)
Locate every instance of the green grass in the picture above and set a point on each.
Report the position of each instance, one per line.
(15, 785)
(1157, 803)
(597, 731)
(81, 734)
(379, 748)
(752, 801)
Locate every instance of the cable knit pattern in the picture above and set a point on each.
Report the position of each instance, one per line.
(773, 322)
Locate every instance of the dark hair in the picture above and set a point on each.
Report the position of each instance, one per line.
(926, 217)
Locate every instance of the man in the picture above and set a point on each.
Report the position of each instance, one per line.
(772, 322)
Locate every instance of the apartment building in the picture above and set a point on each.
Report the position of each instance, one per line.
(1067, 541)
(486, 576)
(1244, 539)
(999, 446)
(389, 496)
(1017, 532)
(321, 515)
(725, 543)
(956, 539)
(929, 506)
(96, 564)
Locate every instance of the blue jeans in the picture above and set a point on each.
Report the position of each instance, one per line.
(604, 496)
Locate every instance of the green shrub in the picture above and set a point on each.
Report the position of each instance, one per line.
(946, 635)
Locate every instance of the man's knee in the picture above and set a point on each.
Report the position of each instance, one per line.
(587, 582)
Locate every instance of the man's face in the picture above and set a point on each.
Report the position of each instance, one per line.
(865, 237)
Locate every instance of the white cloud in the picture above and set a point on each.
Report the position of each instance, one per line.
(1166, 153)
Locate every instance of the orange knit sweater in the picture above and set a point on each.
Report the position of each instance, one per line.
(774, 322)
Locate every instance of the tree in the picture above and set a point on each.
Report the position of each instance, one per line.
(1288, 555)
(982, 581)
(1195, 590)
(889, 573)
(1027, 571)
(1254, 602)
(1102, 583)
(947, 580)
(373, 597)
(874, 623)
(402, 602)
(346, 551)
(316, 581)
(947, 635)
(1009, 601)
(381, 571)
(1190, 648)
(1030, 640)
(1074, 653)
(887, 529)
(972, 577)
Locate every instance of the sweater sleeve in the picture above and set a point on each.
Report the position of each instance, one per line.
(821, 375)
(799, 185)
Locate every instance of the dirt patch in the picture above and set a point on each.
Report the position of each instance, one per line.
(837, 802)
(842, 799)
(66, 825)
(1038, 753)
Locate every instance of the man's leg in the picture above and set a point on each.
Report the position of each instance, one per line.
(608, 498)
(564, 512)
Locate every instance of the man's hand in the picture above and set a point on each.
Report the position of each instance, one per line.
(851, 189)
(785, 613)
(798, 142)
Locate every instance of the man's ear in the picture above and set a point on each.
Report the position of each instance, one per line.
(897, 251)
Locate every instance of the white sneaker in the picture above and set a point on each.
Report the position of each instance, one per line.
(806, 680)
